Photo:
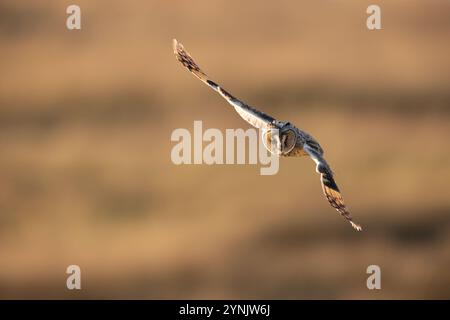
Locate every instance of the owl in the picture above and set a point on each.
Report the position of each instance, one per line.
(280, 137)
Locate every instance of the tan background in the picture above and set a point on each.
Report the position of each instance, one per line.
(86, 176)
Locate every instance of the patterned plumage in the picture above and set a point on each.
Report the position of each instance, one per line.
(289, 140)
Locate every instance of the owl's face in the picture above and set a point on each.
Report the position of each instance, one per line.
(281, 139)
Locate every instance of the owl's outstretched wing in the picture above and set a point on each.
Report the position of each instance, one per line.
(329, 186)
(255, 117)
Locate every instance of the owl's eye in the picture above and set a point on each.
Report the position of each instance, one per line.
(288, 140)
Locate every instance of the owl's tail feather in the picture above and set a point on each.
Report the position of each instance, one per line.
(188, 62)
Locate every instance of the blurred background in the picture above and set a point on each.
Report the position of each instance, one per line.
(86, 175)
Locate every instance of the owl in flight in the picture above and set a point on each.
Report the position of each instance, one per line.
(289, 141)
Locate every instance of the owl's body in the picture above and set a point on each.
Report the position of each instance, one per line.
(280, 137)
(304, 138)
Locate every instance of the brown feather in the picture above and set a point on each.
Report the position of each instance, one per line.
(334, 197)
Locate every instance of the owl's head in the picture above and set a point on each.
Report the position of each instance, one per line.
(281, 138)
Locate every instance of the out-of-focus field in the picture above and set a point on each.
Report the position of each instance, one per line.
(86, 176)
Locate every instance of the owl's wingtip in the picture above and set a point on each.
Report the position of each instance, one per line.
(356, 226)
(176, 45)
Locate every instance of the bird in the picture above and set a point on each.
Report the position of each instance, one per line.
(280, 137)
